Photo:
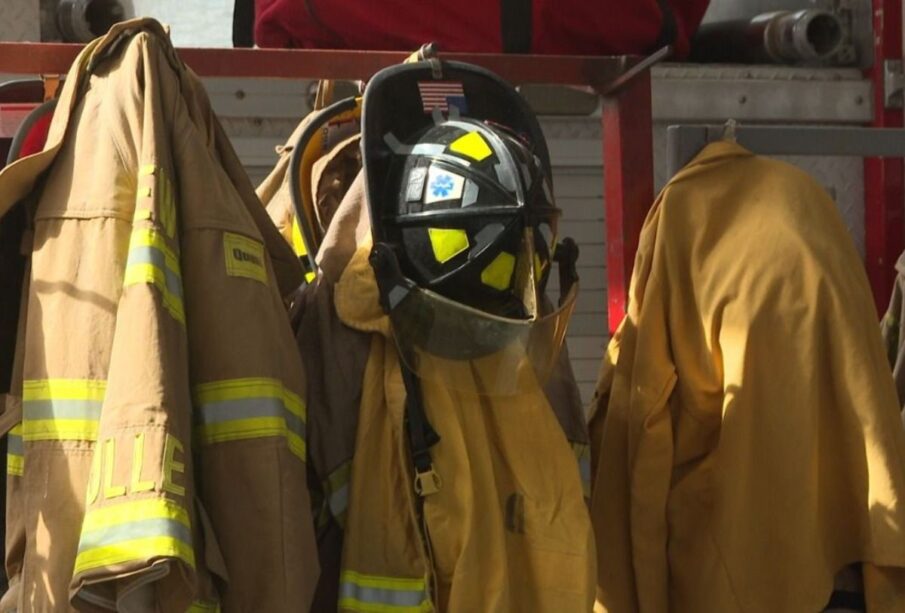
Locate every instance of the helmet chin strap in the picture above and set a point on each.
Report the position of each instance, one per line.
(566, 257)
(393, 288)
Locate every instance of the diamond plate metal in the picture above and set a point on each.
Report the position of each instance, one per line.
(20, 20)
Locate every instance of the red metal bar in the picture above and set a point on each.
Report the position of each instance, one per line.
(628, 168)
(884, 188)
(55, 58)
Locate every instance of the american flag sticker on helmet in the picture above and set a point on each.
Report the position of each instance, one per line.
(442, 95)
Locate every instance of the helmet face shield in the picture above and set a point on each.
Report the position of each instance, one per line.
(438, 337)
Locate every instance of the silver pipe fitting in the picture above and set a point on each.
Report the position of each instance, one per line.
(81, 21)
(782, 37)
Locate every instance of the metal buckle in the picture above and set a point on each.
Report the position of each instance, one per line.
(427, 482)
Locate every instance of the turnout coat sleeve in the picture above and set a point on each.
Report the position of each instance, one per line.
(138, 530)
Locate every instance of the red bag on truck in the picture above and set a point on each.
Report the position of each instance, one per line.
(583, 27)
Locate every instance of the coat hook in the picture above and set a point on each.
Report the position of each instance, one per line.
(729, 130)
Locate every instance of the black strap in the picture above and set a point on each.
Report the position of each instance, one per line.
(422, 435)
(392, 285)
(846, 601)
(669, 29)
(244, 23)
(515, 25)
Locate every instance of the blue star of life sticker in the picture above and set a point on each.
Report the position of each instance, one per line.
(442, 186)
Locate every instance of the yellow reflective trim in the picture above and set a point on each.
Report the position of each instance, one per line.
(60, 430)
(142, 214)
(203, 607)
(298, 242)
(359, 592)
(63, 389)
(296, 444)
(249, 387)
(255, 427)
(136, 549)
(472, 145)
(136, 510)
(148, 273)
(498, 273)
(217, 430)
(147, 169)
(236, 429)
(352, 604)
(16, 430)
(387, 583)
(15, 465)
(149, 237)
(447, 243)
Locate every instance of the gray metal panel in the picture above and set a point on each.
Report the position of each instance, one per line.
(700, 93)
(275, 100)
(684, 141)
(579, 193)
(20, 21)
(843, 179)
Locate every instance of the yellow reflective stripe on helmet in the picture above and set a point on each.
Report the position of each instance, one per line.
(61, 409)
(359, 592)
(471, 145)
(151, 261)
(135, 530)
(447, 243)
(203, 607)
(15, 455)
(237, 409)
(498, 273)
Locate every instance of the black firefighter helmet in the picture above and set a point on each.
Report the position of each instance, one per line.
(465, 193)
(462, 213)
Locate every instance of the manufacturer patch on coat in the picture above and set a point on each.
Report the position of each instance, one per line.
(244, 257)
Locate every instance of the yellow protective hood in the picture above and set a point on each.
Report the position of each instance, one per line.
(746, 439)
(357, 297)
